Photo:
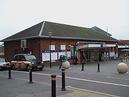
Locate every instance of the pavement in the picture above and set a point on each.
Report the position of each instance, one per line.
(22, 88)
(19, 87)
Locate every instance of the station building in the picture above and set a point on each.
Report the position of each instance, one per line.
(78, 43)
(123, 48)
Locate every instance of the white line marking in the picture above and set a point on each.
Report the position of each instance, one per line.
(100, 82)
(118, 78)
(80, 79)
(100, 93)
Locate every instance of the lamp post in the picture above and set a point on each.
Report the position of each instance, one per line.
(99, 57)
(50, 34)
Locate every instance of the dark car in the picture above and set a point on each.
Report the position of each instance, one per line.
(3, 64)
(24, 61)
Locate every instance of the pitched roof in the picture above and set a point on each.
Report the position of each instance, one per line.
(123, 42)
(62, 31)
(1, 49)
(27, 33)
(101, 31)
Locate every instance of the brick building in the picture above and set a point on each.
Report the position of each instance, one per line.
(63, 39)
(2, 50)
(123, 47)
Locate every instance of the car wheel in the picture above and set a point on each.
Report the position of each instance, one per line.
(0, 68)
(41, 69)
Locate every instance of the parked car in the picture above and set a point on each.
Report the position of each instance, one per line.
(3, 64)
(24, 61)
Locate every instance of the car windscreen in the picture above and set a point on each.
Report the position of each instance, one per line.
(2, 60)
(30, 57)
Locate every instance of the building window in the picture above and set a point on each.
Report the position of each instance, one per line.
(23, 43)
(62, 47)
(52, 47)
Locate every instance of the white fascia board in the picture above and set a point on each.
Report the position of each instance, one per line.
(123, 46)
(109, 45)
(94, 45)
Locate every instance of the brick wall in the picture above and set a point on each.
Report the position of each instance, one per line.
(36, 46)
(9, 49)
(44, 44)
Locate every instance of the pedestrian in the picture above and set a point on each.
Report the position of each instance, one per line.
(61, 60)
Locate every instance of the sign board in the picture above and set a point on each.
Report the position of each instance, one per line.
(46, 56)
(55, 55)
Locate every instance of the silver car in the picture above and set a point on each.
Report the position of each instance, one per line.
(3, 64)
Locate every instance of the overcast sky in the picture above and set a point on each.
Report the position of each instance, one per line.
(17, 15)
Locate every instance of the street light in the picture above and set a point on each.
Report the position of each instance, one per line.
(50, 34)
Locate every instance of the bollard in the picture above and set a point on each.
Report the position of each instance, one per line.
(30, 74)
(98, 67)
(9, 72)
(82, 66)
(63, 80)
(53, 85)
